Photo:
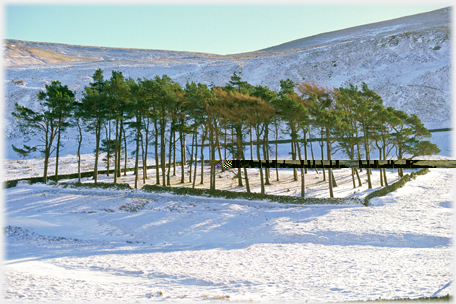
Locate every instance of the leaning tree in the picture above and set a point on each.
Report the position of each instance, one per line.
(56, 105)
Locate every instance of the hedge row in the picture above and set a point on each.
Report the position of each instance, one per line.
(223, 193)
(249, 196)
(34, 180)
(394, 186)
(96, 186)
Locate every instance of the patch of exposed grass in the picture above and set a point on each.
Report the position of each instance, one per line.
(135, 205)
(446, 298)
(95, 186)
(250, 196)
(394, 186)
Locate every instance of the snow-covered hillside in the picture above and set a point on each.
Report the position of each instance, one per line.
(385, 28)
(410, 69)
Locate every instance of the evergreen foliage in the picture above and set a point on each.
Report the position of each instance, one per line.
(348, 119)
(57, 103)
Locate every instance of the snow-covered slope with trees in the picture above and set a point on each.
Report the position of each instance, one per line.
(406, 63)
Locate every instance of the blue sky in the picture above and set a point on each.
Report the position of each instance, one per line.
(220, 29)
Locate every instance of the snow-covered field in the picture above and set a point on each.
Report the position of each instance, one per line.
(78, 245)
(73, 245)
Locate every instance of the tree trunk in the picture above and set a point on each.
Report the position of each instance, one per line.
(266, 157)
(213, 159)
(184, 148)
(196, 157)
(330, 173)
(303, 181)
(359, 179)
(97, 151)
(322, 156)
(79, 151)
(359, 154)
(157, 163)
(182, 142)
(331, 194)
(126, 154)
(146, 144)
(328, 148)
(239, 151)
(119, 158)
(137, 157)
(366, 148)
(276, 149)
(312, 153)
(247, 184)
(334, 179)
(305, 148)
(400, 171)
(251, 143)
(217, 144)
(192, 158)
(108, 147)
(57, 157)
(46, 164)
(211, 175)
(202, 160)
(116, 154)
(259, 159)
(293, 153)
(162, 150)
(119, 147)
(144, 162)
(211, 148)
(171, 139)
(46, 157)
(174, 153)
(353, 177)
(225, 144)
(381, 171)
(369, 182)
(354, 170)
(384, 169)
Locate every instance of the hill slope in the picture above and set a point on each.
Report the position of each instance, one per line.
(409, 69)
(390, 27)
(16, 54)
(85, 53)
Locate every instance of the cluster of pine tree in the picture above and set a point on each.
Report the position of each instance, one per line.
(161, 113)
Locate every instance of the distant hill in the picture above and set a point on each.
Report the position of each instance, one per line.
(405, 24)
(28, 52)
(15, 54)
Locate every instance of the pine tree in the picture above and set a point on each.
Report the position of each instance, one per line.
(93, 111)
(138, 108)
(291, 110)
(118, 100)
(267, 95)
(78, 114)
(57, 102)
(325, 116)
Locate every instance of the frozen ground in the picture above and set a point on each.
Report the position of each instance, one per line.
(71, 245)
